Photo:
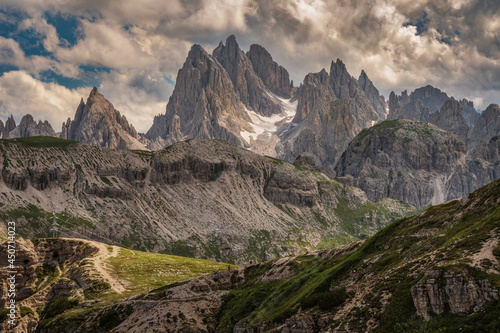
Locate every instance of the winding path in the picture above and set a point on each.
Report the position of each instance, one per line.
(100, 259)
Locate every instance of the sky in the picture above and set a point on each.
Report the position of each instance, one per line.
(52, 52)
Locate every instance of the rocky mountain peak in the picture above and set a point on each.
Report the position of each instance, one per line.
(431, 97)
(98, 123)
(274, 76)
(373, 95)
(27, 127)
(205, 103)
(10, 125)
(404, 159)
(249, 86)
(450, 118)
(487, 126)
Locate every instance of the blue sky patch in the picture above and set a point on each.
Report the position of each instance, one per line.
(420, 24)
(168, 79)
(67, 27)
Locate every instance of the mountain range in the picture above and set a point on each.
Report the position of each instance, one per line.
(248, 99)
(349, 213)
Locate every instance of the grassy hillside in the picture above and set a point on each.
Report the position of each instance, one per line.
(435, 271)
(141, 271)
(373, 286)
(66, 279)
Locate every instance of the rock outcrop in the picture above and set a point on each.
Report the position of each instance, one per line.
(416, 162)
(424, 101)
(204, 104)
(28, 127)
(332, 109)
(10, 125)
(308, 161)
(459, 293)
(404, 108)
(98, 123)
(487, 126)
(373, 95)
(451, 118)
(247, 84)
(274, 76)
(431, 97)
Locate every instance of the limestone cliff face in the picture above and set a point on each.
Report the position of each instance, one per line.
(37, 262)
(204, 104)
(183, 199)
(331, 110)
(487, 126)
(10, 125)
(451, 118)
(404, 108)
(373, 95)
(274, 76)
(424, 101)
(416, 162)
(247, 84)
(459, 293)
(98, 123)
(28, 127)
(431, 97)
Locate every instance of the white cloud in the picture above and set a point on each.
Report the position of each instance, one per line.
(302, 35)
(21, 94)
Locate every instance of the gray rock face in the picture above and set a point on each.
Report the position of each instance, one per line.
(404, 160)
(28, 127)
(204, 104)
(346, 87)
(451, 118)
(404, 108)
(481, 166)
(274, 76)
(331, 110)
(373, 95)
(470, 113)
(417, 162)
(10, 125)
(487, 126)
(424, 101)
(431, 97)
(247, 84)
(98, 123)
(459, 292)
(308, 161)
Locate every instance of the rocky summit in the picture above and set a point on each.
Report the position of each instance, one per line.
(98, 123)
(249, 100)
(26, 128)
(416, 162)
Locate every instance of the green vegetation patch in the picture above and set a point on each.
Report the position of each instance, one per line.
(160, 269)
(40, 142)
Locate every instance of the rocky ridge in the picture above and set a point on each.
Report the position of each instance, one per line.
(332, 108)
(26, 128)
(248, 207)
(416, 162)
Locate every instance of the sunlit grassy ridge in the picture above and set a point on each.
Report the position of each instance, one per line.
(140, 271)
